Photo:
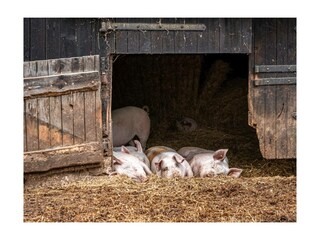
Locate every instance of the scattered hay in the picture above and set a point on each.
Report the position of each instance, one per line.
(119, 199)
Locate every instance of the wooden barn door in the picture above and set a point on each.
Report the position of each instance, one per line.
(62, 114)
(272, 87)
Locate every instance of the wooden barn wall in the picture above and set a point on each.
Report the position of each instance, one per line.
(273, 107)
(50, 38)
(223, 35)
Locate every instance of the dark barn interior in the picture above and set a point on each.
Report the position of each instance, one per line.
(212, 89)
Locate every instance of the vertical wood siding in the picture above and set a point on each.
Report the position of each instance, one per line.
(229, 35)
(50, 38)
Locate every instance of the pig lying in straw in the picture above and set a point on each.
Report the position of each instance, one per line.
(208, 163)
(129, 165)
(167, 163)
(136, 151)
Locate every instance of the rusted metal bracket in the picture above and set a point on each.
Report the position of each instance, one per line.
(275, 81)
(107, 26)
(274, 68)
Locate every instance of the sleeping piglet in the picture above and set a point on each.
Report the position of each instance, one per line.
(129, 165)
(211, 164)
(167, 163)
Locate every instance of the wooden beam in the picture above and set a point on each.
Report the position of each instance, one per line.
(45, 160)
(55, 85)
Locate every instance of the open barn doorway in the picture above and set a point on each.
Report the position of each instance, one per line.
(211, 89)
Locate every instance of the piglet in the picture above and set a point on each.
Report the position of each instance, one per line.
(137, 152)
(167, 163)
(211, 164)
(129, 165)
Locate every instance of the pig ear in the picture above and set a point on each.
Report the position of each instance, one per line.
(125, 150)
(178, 158)
(220, 154)
(138, 145)
(158, 165)
(234, 172)
(117, 161)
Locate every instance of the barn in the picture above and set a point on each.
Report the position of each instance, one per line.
(76, 70)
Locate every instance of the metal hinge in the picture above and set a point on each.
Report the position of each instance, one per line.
(275, 81)
(107, 26)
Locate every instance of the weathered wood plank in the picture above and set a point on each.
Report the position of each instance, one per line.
(214, 35)
(291, 122)
(84, 36)
(180, 38)
(42, 68)
(26, 39)
(191, 37)
(89, 63)
(77, 64)
(258, 94)
(291, 97)
(61, 84)
(55, 121)
(79, 118)
(168, 41)
(246, 35)
(271, 101)
(33, 69)
(67, 120)
(53, 38)
(145, 36)
(26, 69)
(54, 67)
(121, 39)
(98, 116)
(25, 148)
(90, 116)
(230, 31)
(65, 65)
(45, 160)
(68, 39)
(32, 124)
(156, 38)
(133, 38)
(37, 39)
(281, 111)
(44, 122)
(203, 37)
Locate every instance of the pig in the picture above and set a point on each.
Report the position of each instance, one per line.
(167, 163)
(129, 122)
(129, 165)
(211, 164)
(137, 152)
(186, 124)
(189, 152)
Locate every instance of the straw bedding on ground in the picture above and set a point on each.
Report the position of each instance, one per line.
(119, 199)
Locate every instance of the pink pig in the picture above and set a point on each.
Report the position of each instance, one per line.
(167, 163)
(129, 165)
(211, 164)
